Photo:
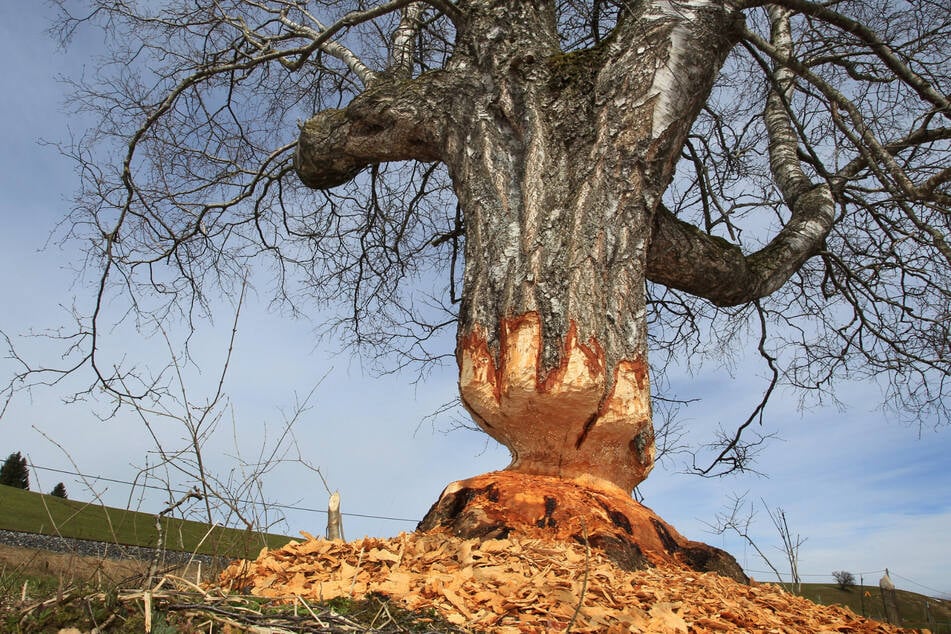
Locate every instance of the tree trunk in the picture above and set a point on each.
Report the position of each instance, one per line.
(559, 161)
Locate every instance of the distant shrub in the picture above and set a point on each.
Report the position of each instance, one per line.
(15, 472)
(59, 491)
(844, 578)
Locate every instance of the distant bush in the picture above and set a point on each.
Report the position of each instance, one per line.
(59, 491)
(844, 578)
(15, 472)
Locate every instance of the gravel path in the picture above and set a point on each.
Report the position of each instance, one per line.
(89, 548)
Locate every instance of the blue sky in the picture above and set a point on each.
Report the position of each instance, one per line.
(864, 490)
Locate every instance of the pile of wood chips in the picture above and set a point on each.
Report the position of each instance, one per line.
(530, 585)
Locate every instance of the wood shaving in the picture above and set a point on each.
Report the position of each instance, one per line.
(532, 585)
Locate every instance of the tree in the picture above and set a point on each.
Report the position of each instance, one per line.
(844, 578)
(15, 472)
(587, 181)
(739, 518)
(59, 491)
(790, 545)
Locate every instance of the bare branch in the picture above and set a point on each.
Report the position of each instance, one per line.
(884, 52)
(683, 257)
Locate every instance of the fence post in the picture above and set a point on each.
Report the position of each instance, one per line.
(862, 593)
(334, 519)
(889, 599)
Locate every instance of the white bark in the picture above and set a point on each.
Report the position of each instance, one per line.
(673, 86)
(403, 47)
(332, 48)
(783, 141)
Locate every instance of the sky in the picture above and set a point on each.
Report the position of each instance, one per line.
(863, 490)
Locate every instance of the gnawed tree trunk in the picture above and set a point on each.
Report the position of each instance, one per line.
(495, 505)
(559, 162)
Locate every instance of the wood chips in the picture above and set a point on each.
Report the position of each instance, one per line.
(531, 585)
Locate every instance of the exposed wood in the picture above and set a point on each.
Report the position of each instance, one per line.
(334, 518)
(572, 421)
(507, 504)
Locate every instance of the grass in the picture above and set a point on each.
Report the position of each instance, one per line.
(31, 512)
(44, 592)
(124, 612)
(916, 610)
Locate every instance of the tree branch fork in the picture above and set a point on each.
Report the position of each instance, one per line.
(399, 119)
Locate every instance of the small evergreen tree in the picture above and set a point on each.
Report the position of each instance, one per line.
(14, 472)
(59, 490)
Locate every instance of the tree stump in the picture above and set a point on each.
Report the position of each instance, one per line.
(508, 503)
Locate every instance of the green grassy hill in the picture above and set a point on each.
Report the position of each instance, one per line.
(916, 611)
(31, 512)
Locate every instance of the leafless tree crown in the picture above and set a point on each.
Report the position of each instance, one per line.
(837, 108)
